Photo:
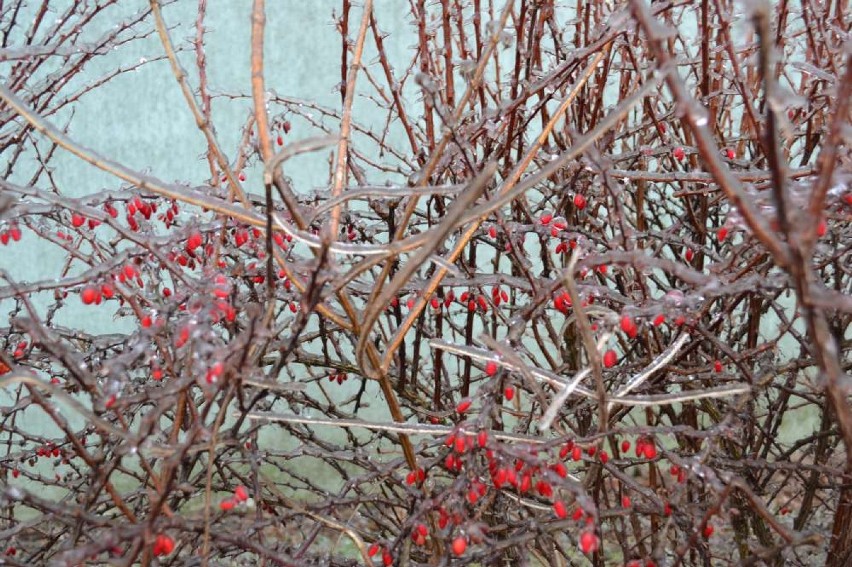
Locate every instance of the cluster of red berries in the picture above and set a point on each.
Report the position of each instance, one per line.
(163, 545)
(240, 495)
(13, 233)
(387, 558)
(645, 447)
(145, 209)
(415, 477)
(339, 377)
(628, 325)
(48, 450)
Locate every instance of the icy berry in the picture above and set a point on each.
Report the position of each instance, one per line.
(588, 542)
(163, 545)
(90, 294)
(459, 545)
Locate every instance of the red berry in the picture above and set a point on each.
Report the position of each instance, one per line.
(628, 326)
(241, 493)
(387, 558)
(90, 294)
(625, 502)
(717, 366)
(559, 509)
(731, 153)
(492, 231)
(708, 530)
(373, 550)
(482, 438)
(689, 254)
(822, 228)
(678, 153)
(509, 392)
(545, 219)
(579, 201)
(472, 496)
(722, 234)
(609, 359)
(588, 542)
(659, 320)
(459, 545)
(183, 336)
(194, 241)
(491, 368)
(625, 446)
(215, 372)
(227, 504)
(463, 406)
(163, 545)
(77, 220)
(107, 291)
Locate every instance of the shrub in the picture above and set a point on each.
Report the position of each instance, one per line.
(578, 296)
